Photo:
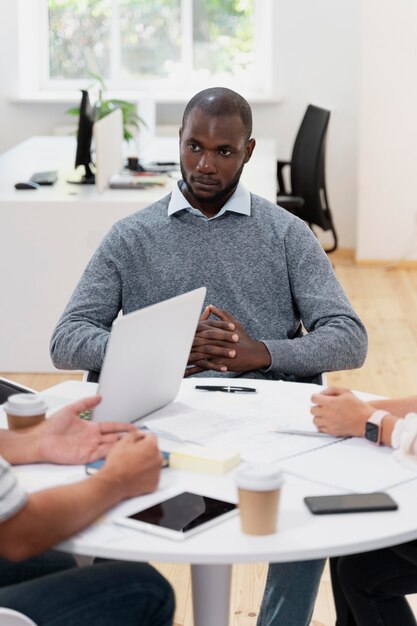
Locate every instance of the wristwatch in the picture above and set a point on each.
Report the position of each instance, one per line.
(373, 428)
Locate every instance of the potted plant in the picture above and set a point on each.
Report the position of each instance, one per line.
(104, 106)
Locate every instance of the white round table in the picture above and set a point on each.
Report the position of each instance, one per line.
(301, 535)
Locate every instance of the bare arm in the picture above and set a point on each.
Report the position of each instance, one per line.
(51, 516)
(63, 438)
(400, 406)
(339, 412)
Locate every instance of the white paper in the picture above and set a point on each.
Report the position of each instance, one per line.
(239, 421)
(43, 476)
(354, 464)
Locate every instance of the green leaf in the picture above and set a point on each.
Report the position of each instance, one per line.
(131, 119)
(73, 111)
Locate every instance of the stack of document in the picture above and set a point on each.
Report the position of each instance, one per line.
(137, 180)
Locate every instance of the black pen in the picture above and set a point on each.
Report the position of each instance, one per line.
(226, 388)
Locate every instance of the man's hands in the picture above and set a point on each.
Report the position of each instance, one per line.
(67, 439)
(223, 345)
(339, 412)
(134, 465)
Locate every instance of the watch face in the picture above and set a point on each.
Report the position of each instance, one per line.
(371, 432)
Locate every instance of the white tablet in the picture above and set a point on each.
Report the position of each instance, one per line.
(181, 516)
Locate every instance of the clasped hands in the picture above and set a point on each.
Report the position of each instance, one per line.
(222, 344)
(337, 411)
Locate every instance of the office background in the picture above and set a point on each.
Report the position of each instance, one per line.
(355, 57)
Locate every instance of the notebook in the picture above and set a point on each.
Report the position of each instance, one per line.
(146, 357)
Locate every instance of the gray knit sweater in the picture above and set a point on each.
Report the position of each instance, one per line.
(267, 269)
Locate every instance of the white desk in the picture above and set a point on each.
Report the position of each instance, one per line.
(301, 535)
(47, 236)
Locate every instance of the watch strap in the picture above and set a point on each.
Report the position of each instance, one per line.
(376, 419)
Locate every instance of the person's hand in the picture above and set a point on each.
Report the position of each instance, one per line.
(213, 339)
(67, 439)
(134, 465)
(234, 350)
(339, 412)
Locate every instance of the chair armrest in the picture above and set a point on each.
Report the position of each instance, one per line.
(281, 185)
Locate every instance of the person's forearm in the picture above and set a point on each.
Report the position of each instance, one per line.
(335, 346)
(53, 515)
(78, 344)
(261, 357)
(388, 424)
(20, 447)
(400, 406)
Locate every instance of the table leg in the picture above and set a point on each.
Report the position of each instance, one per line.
(211, 594)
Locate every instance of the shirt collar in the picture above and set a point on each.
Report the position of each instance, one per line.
(239, 202)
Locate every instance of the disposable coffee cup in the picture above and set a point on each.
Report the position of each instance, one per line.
(259, 488)
(24, 410)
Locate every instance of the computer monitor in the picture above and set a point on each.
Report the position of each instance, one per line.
(84, 137)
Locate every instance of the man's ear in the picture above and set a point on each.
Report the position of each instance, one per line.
(180, 132)
(250, 147)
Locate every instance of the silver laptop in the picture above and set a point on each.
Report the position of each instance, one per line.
(146, 357)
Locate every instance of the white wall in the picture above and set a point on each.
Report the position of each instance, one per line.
(318, 55)
(18, 121)
(387, 225)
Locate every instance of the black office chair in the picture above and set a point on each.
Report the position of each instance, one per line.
(8, 388)
(91, 376)
(308, 197)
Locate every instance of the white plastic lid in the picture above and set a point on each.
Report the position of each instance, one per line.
(23, 404)
(257, 477)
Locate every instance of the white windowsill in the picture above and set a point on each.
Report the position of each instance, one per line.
(73, 97)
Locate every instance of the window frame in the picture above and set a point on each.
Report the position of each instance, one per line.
(35, 84)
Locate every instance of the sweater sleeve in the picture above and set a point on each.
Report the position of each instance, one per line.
(336, 338)
(80, 338)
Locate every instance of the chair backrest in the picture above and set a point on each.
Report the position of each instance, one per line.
(91, 377)
(8, 617)
(8, 387)
(308, 167)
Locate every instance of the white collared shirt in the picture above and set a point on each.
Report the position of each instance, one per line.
(239, 202)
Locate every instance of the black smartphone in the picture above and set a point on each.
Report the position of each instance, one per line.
(351, 503)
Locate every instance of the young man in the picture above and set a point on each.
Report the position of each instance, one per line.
(48, 586)
(266, 277)
(265, 272)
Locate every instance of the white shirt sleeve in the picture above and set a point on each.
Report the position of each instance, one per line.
(12, 495)
(404, 441)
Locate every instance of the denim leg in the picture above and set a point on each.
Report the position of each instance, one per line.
(46, 563)
(290, 593)
(107, 594)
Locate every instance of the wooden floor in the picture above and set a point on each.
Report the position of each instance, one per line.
(387, 303)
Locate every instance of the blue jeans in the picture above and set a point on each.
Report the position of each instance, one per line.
(53, 591)
(290, 593)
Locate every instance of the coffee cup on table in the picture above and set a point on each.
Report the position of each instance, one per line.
(24, 410)
(259, 488)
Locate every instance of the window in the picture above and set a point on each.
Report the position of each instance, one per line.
(171, 46)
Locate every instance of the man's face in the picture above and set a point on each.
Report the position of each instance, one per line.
(213, 151)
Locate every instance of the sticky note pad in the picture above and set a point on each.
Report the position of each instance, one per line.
(195, 458)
